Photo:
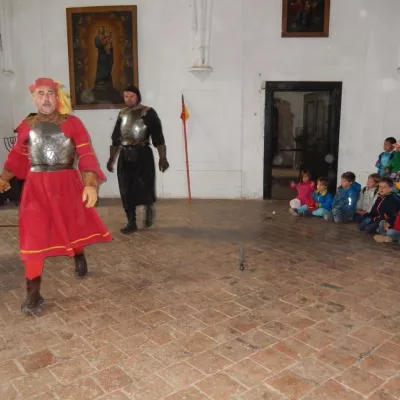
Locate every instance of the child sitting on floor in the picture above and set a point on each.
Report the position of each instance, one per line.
(319, 204)
(304, 189)
(367, 197)
(387, 233)
(345, 201)
(393, 166)
(384, 209)
(386, 156)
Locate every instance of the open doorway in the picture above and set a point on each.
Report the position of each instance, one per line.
(302, 123)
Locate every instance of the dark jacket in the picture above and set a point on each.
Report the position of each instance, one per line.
(385, 208)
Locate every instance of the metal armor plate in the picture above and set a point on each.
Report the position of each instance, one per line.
(133, 128)
(49, 147)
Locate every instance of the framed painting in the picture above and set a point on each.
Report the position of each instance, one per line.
(103, 55)
(305, 18)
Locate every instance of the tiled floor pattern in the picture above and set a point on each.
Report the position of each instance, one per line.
(167, 314)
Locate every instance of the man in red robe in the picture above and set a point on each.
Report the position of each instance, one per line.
(57, 217)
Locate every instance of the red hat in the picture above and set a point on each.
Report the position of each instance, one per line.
(43, 82)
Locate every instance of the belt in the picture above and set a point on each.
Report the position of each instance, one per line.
(135, 143)
(51, 168)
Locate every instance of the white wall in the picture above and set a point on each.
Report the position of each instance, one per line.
(226, 125)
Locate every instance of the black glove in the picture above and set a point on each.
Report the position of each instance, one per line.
(113, 155)
(163, 164)
(110, 165)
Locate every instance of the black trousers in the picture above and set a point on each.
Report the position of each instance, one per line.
(136, 177)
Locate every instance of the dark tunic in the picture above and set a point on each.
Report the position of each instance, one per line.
(136, 178)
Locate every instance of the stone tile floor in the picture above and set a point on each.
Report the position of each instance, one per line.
(167, 314)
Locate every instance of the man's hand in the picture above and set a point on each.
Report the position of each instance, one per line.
(110, 165)
(386, 225)
(361, 212)
(163, 164)
(4, 186)
(89, 196)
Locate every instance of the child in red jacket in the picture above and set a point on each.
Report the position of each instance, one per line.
(305, 188)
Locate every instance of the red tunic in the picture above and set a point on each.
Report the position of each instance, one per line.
(53, 220)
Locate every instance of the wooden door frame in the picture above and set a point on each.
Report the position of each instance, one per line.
(335, 90)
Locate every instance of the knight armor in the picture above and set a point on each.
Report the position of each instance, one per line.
(133, 128)
(49, 148)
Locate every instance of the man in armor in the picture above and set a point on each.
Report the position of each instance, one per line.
(135, 127)
(57, 217)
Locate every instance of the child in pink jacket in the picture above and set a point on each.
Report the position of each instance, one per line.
(305, 189)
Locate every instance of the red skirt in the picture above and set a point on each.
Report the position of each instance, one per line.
(53, 220)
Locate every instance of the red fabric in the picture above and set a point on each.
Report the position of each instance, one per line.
(304, 191)
(78, 250)
(43, 82)
(53, 218)
(87, 160)
(396, 225)
(311, 205)
(18, 158)
(33, 269)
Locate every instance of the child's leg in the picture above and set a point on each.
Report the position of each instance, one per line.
(381, 229)
(393, 234)
(295, 203)
(343, 217)
(320, 212)
(364, 226)
(338, 218)
(328, 216)
(386, 236)
(302, 209)
(359, 219)
(297, 211)
(372, 228)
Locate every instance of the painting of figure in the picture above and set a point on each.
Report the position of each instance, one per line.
(305, 18)
(103, 55)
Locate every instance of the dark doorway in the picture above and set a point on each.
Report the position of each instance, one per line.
(302, 123)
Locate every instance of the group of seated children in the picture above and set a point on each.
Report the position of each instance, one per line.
(376, 208)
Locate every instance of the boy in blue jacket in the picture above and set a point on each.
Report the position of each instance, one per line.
(345, 201)
(320, 204)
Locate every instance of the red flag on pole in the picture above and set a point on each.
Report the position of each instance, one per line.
(184, 118)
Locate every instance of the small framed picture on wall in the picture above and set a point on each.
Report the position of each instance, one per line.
(305, 18)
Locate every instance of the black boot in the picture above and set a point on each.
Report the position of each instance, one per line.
(33, 299)
(149, 216)
(131, 227)
(81, 268)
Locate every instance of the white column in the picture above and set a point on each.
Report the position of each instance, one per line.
(201, 31)
(6, 61)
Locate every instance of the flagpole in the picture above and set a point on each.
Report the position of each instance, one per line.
(183, 117)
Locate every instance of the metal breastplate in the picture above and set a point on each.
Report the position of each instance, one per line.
(133, 128)
(49, 148)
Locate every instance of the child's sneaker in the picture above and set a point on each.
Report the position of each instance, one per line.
(294, 212)
(382, 239)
